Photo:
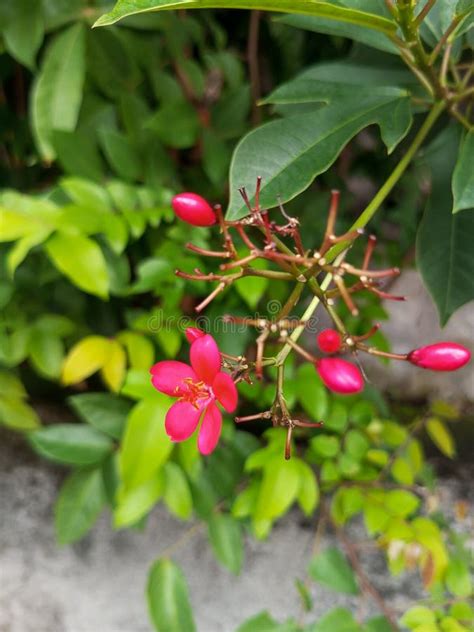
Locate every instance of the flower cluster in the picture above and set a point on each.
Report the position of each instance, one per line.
(327, 275)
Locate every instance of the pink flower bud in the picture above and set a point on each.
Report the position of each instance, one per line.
(193, 209)
(442, 356)
(340, 376)
(193, 333)
(329, 341)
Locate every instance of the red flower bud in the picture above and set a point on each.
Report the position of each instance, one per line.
(442, 356)
(193, 209)
(193, 333)
(340, 376)
(329, 341)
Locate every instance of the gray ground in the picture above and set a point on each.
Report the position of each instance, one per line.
(97, 585)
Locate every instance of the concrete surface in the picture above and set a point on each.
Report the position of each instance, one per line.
(98, 584)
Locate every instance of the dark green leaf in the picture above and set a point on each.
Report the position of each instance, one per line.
(24, 32)
(177, 494)
(168, 599)
(106, 412)
(79, 503)
(337, 620)
(332, 569)
(225, 535)
(463, 176)
(122, 155)
(74, 444)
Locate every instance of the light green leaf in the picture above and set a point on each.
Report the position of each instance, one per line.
(24, 32)
(444, 252)
(305, 7)
(145, 446)
(74, 444)
(325, 446)
(85, 358)
(80, 501)
(177, 494)
(308, 493)
(402, 472)
(86, 193)
(168, 599)
(46, 352)
(225, 536)
(104, 411)
(402, 503)
(310, 392)
(463, 176)
(346, 502)
(133, 504)
(81, 260)
(140, 350)
(279, 488)
(337, 620)
(458, 579)
(289, 153)
(331, 569)
(356, 444)
(57, 92)
(15, 414)
(418, 615)
(441, 436)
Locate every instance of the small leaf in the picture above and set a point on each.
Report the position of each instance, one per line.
(458, 580)
(80, 501)
(331, 569)
(85, 358)
(310, 392)
(81, 260)
(106, 412)
(402, 472)
(133, 504)
(24, 32)
(463, 176)
(177, 493)
(113, 370)
(74, 444)
(46, 353)
(168, 599)
(122, 155)
(308, 493)
(14, 413)
(279, 488)
(401, 503)
(325, 446)
(441, 436)
(140, 350)
(225, 536)
(417, 616)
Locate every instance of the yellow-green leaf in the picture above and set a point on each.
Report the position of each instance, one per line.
(441, 436)
(85, 358)
(113, 371)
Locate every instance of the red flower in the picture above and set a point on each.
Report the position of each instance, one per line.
(198, 387)
(442, 356)
(193, 209)
(340, 376)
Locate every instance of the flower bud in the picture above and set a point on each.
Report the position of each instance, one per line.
(442, 356)
(193, 209)
(340, 376)
(329, 341)
(193, 333)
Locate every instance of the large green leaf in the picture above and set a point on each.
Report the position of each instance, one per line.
(57, 93)
(332, 569)
(168, 599)
(79, 503)
(225, 535)
(177, 493)
(463, 176)
(81, 260)
(24, 31)
(74, 444)
(133, 504)
(124, 8)
(104, 411)
(291, 152)
(145, 445)
(444, 252)
(279, 488)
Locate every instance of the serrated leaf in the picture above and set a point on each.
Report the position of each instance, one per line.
(74, 444)
(441, 436)
(106, 412)
(331, 569)
(80, 501)
(289, 153)
(463, 176)
(57, 92)
(85, 358)
(168, 599)
(225, 536)
(81, 260)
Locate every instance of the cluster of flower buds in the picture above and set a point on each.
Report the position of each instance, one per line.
(324, 272)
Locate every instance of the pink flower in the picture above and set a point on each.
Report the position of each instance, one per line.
(441, 356)
(198, 387)
(340, 376)
(193, 209)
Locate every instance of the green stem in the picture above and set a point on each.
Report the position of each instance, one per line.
(394, 177)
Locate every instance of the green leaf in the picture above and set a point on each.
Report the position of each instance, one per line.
(74, 444)
(402, 472)
(458, 580)
(441, 436)
(251, 289)
(279, 488)
(46, 352)
(185, 129)
(80, 501)
(140, 350)
(24, 32)
(15, 414)
(331, 569)
(225, 536)
(78, 154)
(81, 260)
(325, 446)
(291, 152)
(152, 274)
(310, 392)
(444, 252)
(463, 176)
(85, 358)
(346, 502)
(121, 154)
(308, 493)
(401, 503)
(417, 616)
(124, 8)
(356, 444)
(133, 504)
(263, 622)
(177, 494)
(57, 92)
(168, 599)
(106, 412)
(145, 446)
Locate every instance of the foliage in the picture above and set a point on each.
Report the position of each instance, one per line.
(98, 129)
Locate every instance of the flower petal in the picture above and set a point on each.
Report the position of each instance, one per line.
(205, 358)
(182, 420)
(168, 376)
(225, 391)
(193, 333)
(210, 430)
